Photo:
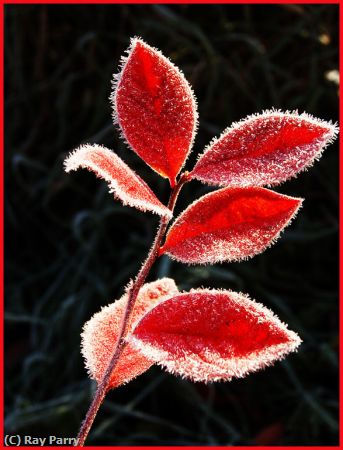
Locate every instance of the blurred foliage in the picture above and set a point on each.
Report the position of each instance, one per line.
(71, 249)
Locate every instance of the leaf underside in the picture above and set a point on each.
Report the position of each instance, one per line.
(100, 334)
(123, 182)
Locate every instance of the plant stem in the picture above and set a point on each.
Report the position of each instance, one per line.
(103, 386)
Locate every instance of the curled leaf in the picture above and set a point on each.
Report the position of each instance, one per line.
(123, 182)
(100, 334)
(155, 108)
(229, 224)
(210, 335)
(264, 149)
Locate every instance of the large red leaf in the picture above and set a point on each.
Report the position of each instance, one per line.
(264, 149)
(155, 108)
(229, 224)
(209, 335)
(123, 181)
(100, 334)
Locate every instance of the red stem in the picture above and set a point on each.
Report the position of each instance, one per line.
(103, 386)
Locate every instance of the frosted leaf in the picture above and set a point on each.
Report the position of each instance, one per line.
(229, 225)
(264, 149)
(100, 334)
(123, 182)
(155, 108)
(210, 335)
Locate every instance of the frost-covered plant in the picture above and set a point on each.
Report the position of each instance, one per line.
(205, 335)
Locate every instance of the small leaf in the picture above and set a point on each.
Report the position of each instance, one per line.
(155, 108)
(100, 334)
(210, 335)
(264, 149)
(229, 224)
(123, 182)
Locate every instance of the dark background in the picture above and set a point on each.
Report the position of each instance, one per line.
(71, 249)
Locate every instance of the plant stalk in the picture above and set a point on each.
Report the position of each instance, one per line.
(103, 386)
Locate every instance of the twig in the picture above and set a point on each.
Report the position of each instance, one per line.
(103, 386)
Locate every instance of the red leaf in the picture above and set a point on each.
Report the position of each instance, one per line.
(123, 182)
(100, 334)
(155, 108)
(210, 335)
(264, 149)
(229, 224)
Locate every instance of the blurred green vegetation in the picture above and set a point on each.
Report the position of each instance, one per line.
(71, 249)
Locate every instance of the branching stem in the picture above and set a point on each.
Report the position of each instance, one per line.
(103, 386)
